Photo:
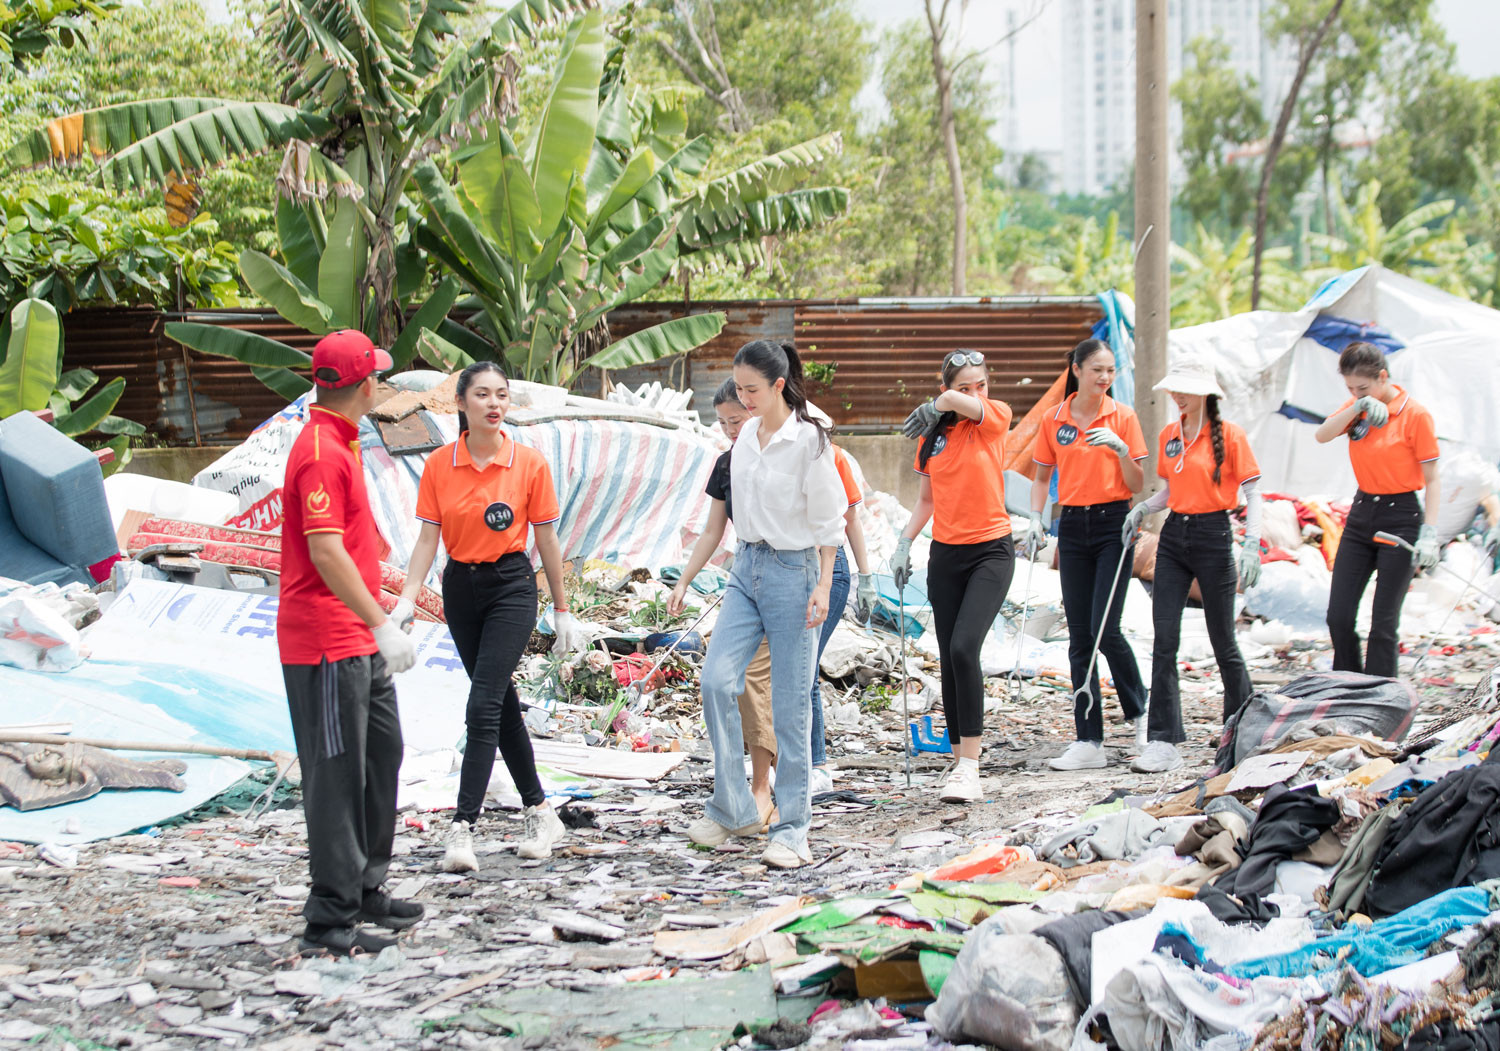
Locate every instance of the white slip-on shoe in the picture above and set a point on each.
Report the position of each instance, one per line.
(706, 832)
(459, 854)
(543, 829)
(1081, 755)
(962, 785)
(1158, 758)
(781, 856)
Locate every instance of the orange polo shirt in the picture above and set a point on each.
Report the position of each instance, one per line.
(1188, 467)
(1088, 474)
(846, 475)
(1389, 459)
(484, 514)
(967, 471)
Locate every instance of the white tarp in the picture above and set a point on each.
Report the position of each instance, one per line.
(1451, 364)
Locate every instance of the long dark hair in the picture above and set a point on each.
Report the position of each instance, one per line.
(727, 393)
(1216, 432)
(1077, 356)
(952, 366)
(466, 380)
(779, 361)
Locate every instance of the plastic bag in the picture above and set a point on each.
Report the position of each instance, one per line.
(35, 636)
(1010, 990)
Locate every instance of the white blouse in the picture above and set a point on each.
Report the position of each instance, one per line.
(789, 494)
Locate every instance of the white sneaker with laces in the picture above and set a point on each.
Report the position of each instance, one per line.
(819, 781)
(543, 828)
(962, 785)
(459, 855)
(1157, 758)
(1081, 755)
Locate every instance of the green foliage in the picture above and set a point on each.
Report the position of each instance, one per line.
(1220, 110)
(1212, 279)
(30, 27)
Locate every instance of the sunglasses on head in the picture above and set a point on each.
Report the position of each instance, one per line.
(964, 357)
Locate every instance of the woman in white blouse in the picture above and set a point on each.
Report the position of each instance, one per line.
(789, 506)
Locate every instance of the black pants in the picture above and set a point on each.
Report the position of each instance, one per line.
(1359, 556)
(1202, 547)
(1089, 548)
(349, 746)
(491, 609)
(966, 584)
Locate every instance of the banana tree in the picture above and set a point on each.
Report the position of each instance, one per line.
(1365, 238)
(596, 206)
(1213, 278)
(371, 88)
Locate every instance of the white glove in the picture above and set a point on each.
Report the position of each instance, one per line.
(1374, 409)
(404, 614)
(1133, 522)
(1250, 562)
(570, 638)
(1107, 438)
(395, 645)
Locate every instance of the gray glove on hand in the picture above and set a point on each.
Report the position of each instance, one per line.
(920, 420)
(1492, 537)
(864, 598)
(1374, 409)
(1250, 562)
(1133, 522)
(901, 563)
(1107, 438)
(404, 614)
(1427, 547)
(395, 645)
(1033, 537)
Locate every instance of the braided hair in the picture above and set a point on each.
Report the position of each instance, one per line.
(1216, 431)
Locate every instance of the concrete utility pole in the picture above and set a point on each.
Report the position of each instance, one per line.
(1153, 232)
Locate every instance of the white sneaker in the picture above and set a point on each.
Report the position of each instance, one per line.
(1139, 727)
(459, 855)
(819, 781)
(781, 856)
(1157, 758)
(706, 832)
(962, 785)
(1080, 755)
(543, 829)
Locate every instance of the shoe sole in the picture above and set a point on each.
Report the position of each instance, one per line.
(318, 948)
(392, 923)
(455, 868)
(1155, 770)
(1102, 764)
(784, 867)
(955, 798)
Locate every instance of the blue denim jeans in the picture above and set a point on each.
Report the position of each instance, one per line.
(838, 598)
(767, 597)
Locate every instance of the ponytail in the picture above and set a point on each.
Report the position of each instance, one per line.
(1077, 356)
(466, 380)
(1216, 431)
(780, 361)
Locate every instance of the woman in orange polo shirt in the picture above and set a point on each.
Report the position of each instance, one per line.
(1096, 446)
(1393, 447)
(1204, 462)
(961, 461)
(479, 495)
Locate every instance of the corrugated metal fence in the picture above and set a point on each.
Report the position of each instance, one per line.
(885, 355)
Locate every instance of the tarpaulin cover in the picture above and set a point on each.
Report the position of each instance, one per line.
(1354, 703)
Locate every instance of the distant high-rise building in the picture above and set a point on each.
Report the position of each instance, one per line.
(1098, 76)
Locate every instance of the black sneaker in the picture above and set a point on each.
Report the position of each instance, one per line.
(342, 941)
(380, 908)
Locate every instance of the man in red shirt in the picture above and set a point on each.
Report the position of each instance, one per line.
(338, 653)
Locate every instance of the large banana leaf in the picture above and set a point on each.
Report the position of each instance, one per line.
(777, 216)
(91, 414)
(677, 336)
(429, 316)
(449, 228)
(235, 343)
(288, 296)
(638, 171)
(528, 17)
(496, 182)
(31, 360)
(441, 354)
(564, 134)
(719, 201)
(433, 24)
(302, 234)
(283, 381)
(341, 271)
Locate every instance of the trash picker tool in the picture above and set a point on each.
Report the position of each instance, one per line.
(655, 667)
(1392, 538)
(1013, 684)
(905, 679)
(1088, 676)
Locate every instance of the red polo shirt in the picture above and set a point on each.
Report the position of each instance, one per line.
(324, 492)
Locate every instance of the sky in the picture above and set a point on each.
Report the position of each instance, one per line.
(1473, 24)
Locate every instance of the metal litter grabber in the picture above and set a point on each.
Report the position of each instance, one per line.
(1088, 676)
(656, 666)
(1392, 538)
(905, 680)
(1013, 684)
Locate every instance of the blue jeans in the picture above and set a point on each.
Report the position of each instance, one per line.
(838, 598)
(767, 597)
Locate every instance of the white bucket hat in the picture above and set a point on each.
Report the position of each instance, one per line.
(1190, 376)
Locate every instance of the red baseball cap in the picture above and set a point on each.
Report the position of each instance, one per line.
(346, 357)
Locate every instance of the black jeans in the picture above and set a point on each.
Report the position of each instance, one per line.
(491, 609)
(1089, 549)
(1360, 555)
(348, 738)
(966, 584)
(1200, 546)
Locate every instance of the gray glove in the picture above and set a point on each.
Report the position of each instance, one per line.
(396, 646)
(864, 598)
(920, 420)
(1427, 547)
(1374, 409)
(1107, 438)
(1033, 537)
(1250, 562)
(1133, 522)
(901, 563)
